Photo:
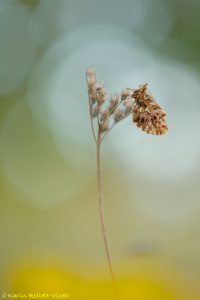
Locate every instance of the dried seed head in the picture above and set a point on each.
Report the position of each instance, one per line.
(99, 85)
(147, 114)
(126, 93)
(91, 82)
(128, 105)
(90, 72)
(118, 115)
(105, 115)
(114, 100)
(93, 94)
(100, 92)
(130, 92)
(103, 126)
(101, 95)
(95, 111)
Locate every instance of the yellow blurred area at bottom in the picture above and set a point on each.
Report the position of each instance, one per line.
(141, 279)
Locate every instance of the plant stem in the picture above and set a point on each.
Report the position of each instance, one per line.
(101, 212)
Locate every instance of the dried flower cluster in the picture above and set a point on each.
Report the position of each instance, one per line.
(147, 114)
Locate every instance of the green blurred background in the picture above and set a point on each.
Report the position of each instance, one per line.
(48, 205)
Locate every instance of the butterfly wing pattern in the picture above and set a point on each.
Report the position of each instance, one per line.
(147, 114)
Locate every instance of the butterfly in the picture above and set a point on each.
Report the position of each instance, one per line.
(147, 114)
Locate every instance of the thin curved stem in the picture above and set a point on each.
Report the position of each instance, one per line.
(101, 213)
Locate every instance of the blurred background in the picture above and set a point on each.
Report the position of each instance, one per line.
(50, 237)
